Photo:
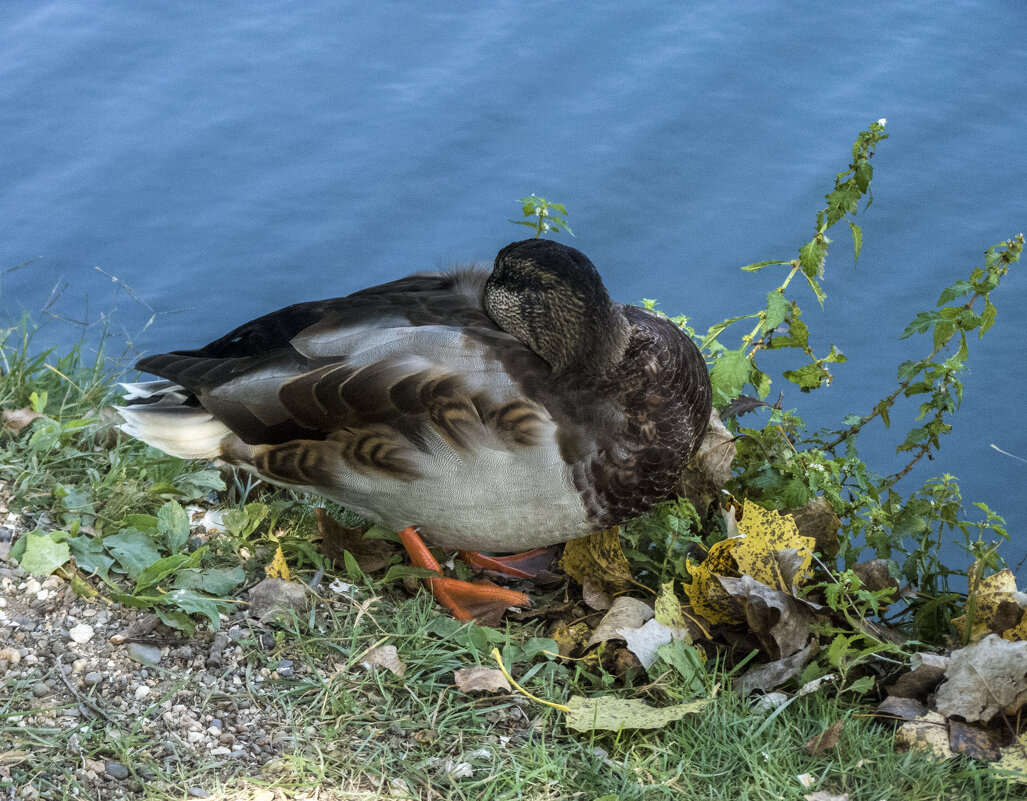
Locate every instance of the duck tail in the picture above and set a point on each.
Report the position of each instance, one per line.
(158, 414)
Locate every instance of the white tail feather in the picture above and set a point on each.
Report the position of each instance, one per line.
(183, 431)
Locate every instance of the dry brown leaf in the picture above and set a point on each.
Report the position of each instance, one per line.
(14, 420)
(774, 674)
(826, 740)
(782, 623)
(593, 595)
(984, 679)
(818, 520)
(904, 708)
(336, 539)
(929, 733)
(384, 656)
(626, 613)
(973, 742)
(927, 671)
(599, 558)
(481, 680)
(876, 576)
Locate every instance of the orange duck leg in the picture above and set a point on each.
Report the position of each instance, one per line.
(480, 600)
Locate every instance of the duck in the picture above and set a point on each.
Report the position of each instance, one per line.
(496, 411)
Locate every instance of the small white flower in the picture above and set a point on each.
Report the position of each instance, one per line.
(546, 226)
(882, 122)
(539, 211)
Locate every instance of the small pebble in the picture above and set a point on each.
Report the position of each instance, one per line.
(41, 689)
(198, 792)
(78, 665)
(92, 679)
(82, 633)
(116, 770)
(144, 654)
(141, 692)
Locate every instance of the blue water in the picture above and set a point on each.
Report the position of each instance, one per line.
(221, 160)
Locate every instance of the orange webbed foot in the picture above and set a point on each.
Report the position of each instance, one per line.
(481, 600)
(517, 565)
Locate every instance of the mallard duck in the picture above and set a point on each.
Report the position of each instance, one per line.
(487, 411)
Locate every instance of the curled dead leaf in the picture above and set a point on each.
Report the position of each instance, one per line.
(826, 740)
(481, 680)
(14, 420)
(387, 657)
(983, 679)
(336, 540)
(781, 622)
(598, 558)
(626, 613)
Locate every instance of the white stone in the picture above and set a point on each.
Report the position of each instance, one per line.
(141, 692)
(82, 633)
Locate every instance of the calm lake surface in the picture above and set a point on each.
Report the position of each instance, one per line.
(222, 160)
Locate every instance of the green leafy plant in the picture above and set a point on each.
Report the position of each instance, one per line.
(545, 220)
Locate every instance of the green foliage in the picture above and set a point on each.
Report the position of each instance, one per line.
(545, 220)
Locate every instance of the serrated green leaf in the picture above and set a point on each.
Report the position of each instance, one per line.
(192, 486)
(957, 290)
(140, 521)
(730, 373)
(811, 258)
(987, 317)
(718, 329)
(808, 377)
(943, 331)
(613, 714)
(43, 554)
(176, 619)
(777, 310)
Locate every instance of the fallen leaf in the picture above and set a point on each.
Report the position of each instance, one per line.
(273, 597)
(984, 679)
(875, 575)
(14, 420)
(826, 740)
(927, 733)
(1012, 765)
(594, 596)
(644, 641)
(705, 593)
(277, 569)
(336, 540)
(613, 714)
(766, 533)
(481, 680)
(973, 742)
(904, 708)
(668, 608)
(384, 656)
(599, 558)
(993, 605)
(570, 638)
(927, 670)
(626, 613)
(43, 554)
(781, 622)
(774, 674)
(817, 519)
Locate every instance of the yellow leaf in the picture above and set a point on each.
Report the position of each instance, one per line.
(770, 549)
(705, 593)
(1012, 765)
(614, 714)
(598, 557)
(991, 606)
(668, 608)
(278, 568)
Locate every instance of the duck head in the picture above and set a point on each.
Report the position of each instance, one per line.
(551, 298)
